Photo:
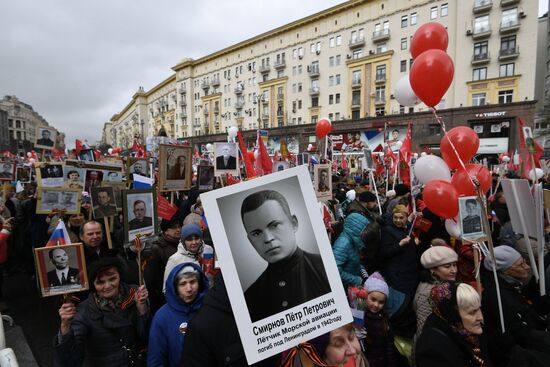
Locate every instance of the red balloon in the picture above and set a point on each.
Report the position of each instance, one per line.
(465, 187)
(441, 198)
(466, 143)
(431, 75)
(324, 126)
(429, 36)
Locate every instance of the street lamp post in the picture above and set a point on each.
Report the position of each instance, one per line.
(259, 100)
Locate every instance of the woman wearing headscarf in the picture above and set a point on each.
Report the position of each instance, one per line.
(107, 329)
(453, 334)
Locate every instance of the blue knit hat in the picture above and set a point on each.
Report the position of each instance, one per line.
(190, 229)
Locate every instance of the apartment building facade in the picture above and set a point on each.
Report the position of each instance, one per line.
(344, 63)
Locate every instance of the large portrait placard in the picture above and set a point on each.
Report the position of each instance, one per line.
(263, 225)
(470, 214)
(322, 179)
(175, 167)
(139, 211)
(226, 159)
(45, 137)
(49, 199)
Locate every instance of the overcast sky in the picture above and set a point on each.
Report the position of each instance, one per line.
(78, 63)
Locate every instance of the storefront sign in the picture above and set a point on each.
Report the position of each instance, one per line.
(493, 146)
(490, 114)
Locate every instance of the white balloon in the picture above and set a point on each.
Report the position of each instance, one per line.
(423, 154)
(110, 150)
(431, 167)
(404, 93)
(452, 228)
(309, 146)
(209, 147)
(232, 132)
(506, 159)
(415, 155)
(538, 172)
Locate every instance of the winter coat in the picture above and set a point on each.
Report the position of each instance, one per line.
(184, 256)
(439, 346)
(346, 249)
(380, 349)
(170, 322)
(400, 264)
(101, 338)
(163, 249)
(421, 304)
(212, 337)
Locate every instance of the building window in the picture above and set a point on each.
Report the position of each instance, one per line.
(18, 124)
(404, 43)
(403, 66)
(508, 45)
(337, 98)
(506, 70)
(294, 53)
(356, 77)
(312, 48)
(380, 111)
(330, 81)
(318, 47)
(338, 40)
(478, 99)
(505, 96)
(381, 72)
(337, 116)
(410, 63)
(356, 98)
(331, 42)
(294, 71)
(435, 129)
(433, 12)
(480, 50)
(331, 61)
(300, 69)
(357, 54)
(299, 87)
(337, 79)
(300, 52)
(355, 114)
(314, 101)
(337, 60)
(481, 24)
(299, 104)
(380, 94)
(413, 18)
(401, 109)
(509, 18)
(331, 116)
(404, 21)
(381, 48)
(444, 10)
(331, 99)
(479, 74)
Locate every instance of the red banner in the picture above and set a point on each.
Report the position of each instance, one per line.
(165, 210)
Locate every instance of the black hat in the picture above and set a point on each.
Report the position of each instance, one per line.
(401, 189)
(167, 224)
(103, 264)
(367, 196)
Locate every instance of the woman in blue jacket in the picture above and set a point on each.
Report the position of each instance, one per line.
(186, 286)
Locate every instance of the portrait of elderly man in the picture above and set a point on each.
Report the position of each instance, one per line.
(140, 219)
(62, 274)
(7, 170)
(45, 140)
(226, 160)
(293, 276)
(104, 201)
(471, 223)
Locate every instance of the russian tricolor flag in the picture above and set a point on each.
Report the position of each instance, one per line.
(59, 235)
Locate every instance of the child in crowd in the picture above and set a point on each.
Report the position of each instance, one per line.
(379, 345)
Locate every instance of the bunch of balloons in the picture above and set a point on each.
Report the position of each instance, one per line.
(432, 70)
(323, 128)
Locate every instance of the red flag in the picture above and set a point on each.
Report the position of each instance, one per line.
(343, 163)
(263, 157)
(231, 180)
(276, 157)
(391, 160)
(78, 146)
(526, 162)
(327, 219)
(405, 153)
(379, 165)
(165, 210)
(248, 166)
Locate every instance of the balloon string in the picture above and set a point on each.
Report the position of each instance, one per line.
(439, 119)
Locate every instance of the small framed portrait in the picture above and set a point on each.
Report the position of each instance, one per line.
(139, 209)
(7, 171)
(86, 155)
(302, 158)
(24, 174)
(117, 191)
(279, 166)
(51, 198)
(103, 202)
(45, 137)
(280, 210)
(61, 269)
(112, 176)
(94, 177)
(74, 177)
(139, 166)
(369, 162)
(205, 178)
(49, 174)
(322, 178)
(226, 159)
(175, 167)
(470, 218)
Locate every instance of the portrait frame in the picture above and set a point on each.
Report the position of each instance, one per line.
(171, 176)
(471, 223)
(45, 203)
(44, 267)
(118, 187)
(87, 155)
(74, 184)
(23, 174)
(12, 172)
(280, 166)
(318, 170)
(38, 140)
(131, 229)
(49, 174)
(233, 159)
(302, 158)
(131, 161)
(241, 264)
(95, 201)
(205, 178)
(369, 161)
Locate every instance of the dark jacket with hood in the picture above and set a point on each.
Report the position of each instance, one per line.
(169, 325)
(163, 249)
(212, 337)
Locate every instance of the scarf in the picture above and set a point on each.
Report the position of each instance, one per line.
(116, 304)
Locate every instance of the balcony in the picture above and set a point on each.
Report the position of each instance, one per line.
(509, 26)
(355, 103)
(481, 6)
(239, 105)
(280, 64)
(313, 70)
(280, 97)
(356, 83)
(381, 36)
(184, 102)
(239, 90)
(216, 110)
(481, 32)
(356, 42)
(215, 82)
(183, 113)
(380, 78)
(505, 3)
(314, 91)
(205, 86)
(380, 100)
(264, 69)
(205, 110)
(508, 53)
(481, 58)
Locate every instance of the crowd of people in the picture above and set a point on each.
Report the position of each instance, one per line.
(164, 304)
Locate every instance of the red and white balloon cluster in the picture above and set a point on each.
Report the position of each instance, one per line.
(432, 70)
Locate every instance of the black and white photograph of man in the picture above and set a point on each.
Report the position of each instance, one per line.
(113, 176)
(470, 217)
(58, 198)
(50, 200)
(137, 166)
(175, 167)
(63, 274)
(205, 176)
(139, 213)
(45, 138)
(226, 158)
(103, 201)
(24, 174)
(6, 174)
